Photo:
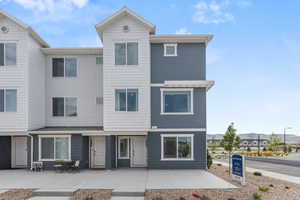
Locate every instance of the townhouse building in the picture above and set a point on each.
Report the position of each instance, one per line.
(138, 101)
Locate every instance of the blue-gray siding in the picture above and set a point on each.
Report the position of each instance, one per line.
(197, 120)
(189, 64)
(5, 152)
(154, 152)
(110, 152)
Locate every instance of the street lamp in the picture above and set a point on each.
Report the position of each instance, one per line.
(284, 137)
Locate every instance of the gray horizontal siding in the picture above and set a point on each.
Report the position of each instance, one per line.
(5, 149)
(154, 153)
(189, 64)
(110, 152)
(197, 120)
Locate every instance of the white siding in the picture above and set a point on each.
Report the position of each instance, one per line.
(15, 77)
(126, 76)
(86, 87)
(36, 85)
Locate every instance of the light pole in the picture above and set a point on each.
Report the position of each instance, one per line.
(284, 137)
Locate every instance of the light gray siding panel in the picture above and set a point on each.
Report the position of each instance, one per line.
(197, 120)
(189, 64)
(5, 149)
(154, 153)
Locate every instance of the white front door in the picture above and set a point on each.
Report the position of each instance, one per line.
(98, 152)
(20, 152)
(138, 151)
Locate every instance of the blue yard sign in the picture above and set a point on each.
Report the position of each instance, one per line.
(238, 168)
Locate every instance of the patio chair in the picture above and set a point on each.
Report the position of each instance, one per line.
(76, 166)
(58, 167)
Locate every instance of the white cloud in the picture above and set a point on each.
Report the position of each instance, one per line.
(182, 30)
(216, 12)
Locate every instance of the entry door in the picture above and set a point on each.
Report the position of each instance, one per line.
(138, 151)
(98, 152)
(20, 150)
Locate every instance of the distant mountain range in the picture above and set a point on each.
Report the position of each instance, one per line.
(290, 139)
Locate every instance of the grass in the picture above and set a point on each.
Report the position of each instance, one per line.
(256, 196)
(257, 174)
(263, 189)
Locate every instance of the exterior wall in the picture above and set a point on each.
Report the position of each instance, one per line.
(86, 87)
(36, 86)
(5, 148)
(110, 152)
(189, 64)
(197, 120)
(154, 152)
(15, 77)
(126, 76)
(79, 151)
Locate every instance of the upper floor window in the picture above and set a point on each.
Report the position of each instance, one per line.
(64, 67)
(126, 53)
(8, 100)
(99, 60)
(176, 101)
(170, 49)
(64, 106)
(8, 54)
(126, 100)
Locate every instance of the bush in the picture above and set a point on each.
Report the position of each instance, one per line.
(248, 149)
(271, 185)
(264, 149)
(209, 160)
(219, 164)
(256, 196)
(88, 198)
(287, 187)
(267, 153)
(257, 174)
(157, 198)
(263, 189)
(203, 197)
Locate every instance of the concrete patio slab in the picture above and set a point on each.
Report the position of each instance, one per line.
(185, 179)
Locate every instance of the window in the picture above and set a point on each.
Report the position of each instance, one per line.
(176, 101)
(64, 106)
(8, 100)
(99, 60)
(123, 148)
(126, 53)
(170, 49)
(54, 148)
(126, 100)
(64, 67)
(8, 54)
(177, 147)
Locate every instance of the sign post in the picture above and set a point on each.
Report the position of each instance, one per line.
(238, 168)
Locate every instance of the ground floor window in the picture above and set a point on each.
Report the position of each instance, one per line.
(177, 147)
(123, 146)
(54, 148)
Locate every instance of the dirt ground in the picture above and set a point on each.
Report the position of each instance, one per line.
(95, 194)
(279, 190)
(16, 194)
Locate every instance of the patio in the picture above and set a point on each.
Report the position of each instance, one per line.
(121, 180)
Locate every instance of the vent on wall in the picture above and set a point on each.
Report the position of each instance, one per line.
(4, 29)
(126, 28)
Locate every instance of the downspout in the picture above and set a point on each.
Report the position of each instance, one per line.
(31, 152)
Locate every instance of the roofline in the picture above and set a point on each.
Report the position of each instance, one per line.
(181, 38)
(32, 32)
(100, 26)
(73, 51)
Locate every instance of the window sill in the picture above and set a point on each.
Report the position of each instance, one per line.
(123, 158)
(174, 159)
(170, 55)
(54, 160)
(177, 113)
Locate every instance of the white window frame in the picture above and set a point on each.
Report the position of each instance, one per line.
(125, 42)
(119, 149)
(7, 42)
(5, 100)
(64, 57)
(162, 105)
(170, 45)
(162, 136)
(54, 136)
(138, 93)
(77, 100)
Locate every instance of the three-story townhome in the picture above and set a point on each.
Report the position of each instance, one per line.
(139, 101)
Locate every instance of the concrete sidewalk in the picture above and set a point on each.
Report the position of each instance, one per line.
(279, 176)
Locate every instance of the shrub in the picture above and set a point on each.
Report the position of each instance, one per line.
(256, 196)
(88, 198)
(219, 164)
(209, 160)
(263, 189)
(287, 187)
(157, 198)
(203, 197)
(271, 185)
(264, 149)
(257, 174)
(248, 149)
(230, 199)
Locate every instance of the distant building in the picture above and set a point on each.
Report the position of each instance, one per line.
(244, 142)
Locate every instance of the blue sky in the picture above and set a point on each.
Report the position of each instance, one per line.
(254, 57)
